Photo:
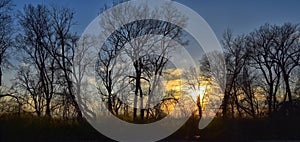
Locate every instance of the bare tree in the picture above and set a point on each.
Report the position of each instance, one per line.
(136, 40)
(48, 46)
(110, 72)
(261, 50)
(10, 102)
(276, 52)
(297, 84)
(62, 50)
(287, 53)
(6, 33)
(81, 62)
(33, 42)
(235, 50)
(29, 82)
(193, 81)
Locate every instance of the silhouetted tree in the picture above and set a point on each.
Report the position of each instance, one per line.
(261, 51)
(48, 47)
(287, 53)
(235, 50)
(138, 40)
(33, 42)
(6, 33)
(62, 51)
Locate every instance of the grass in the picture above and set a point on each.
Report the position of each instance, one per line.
(44, 129)
(31, 128)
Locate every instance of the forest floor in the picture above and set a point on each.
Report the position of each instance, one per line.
(43, 129)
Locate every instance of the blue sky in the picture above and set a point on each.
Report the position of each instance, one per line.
(242, 16)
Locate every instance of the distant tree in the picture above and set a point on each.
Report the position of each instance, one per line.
(29, 82)
(248, 83)
(10, 102)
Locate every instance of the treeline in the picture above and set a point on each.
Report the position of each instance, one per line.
(263, 72)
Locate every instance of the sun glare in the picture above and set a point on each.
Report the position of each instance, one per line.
(199, 93)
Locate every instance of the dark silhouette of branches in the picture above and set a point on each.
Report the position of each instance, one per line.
(6, 33)
(48, 47)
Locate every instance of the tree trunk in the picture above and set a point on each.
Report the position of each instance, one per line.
(288, 90)
(142, 111)
(109, 103)
(85, 107)
(135, 107)
(225, 104)
(137, 66)
(69, 82)
(48, 111)
(137, 83)
(199, 106)
(269, 98)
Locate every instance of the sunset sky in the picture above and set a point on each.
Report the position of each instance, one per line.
(239, 15)
(149, 70)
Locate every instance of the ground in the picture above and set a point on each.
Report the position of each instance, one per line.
(13, 128)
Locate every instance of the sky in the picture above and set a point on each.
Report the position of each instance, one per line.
(241, 16)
